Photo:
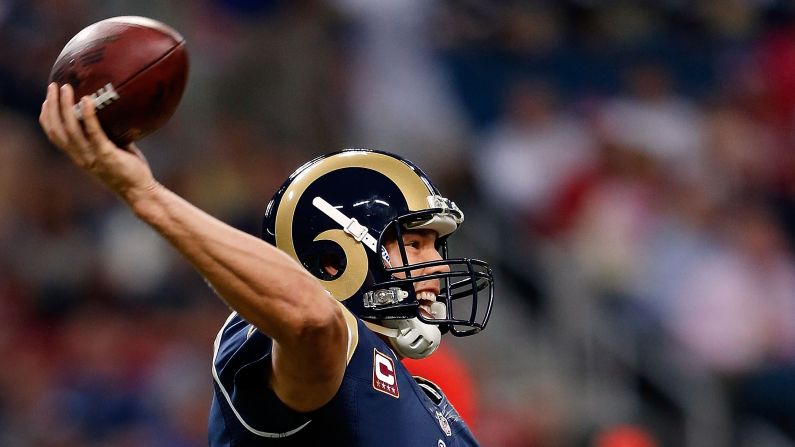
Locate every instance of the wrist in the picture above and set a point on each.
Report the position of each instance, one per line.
(143, 200)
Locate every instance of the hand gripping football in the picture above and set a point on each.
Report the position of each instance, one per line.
(134, 68)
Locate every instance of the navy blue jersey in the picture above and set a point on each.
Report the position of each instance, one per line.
(378, 404)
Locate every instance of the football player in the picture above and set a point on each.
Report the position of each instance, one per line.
(353, 274)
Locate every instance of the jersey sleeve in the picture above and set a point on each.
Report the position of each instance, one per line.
(241, 362)
(241, 359)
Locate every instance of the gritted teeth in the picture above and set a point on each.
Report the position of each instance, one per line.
(427, 302)
(426, 296)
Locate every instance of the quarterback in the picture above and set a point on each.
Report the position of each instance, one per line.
(352, 274)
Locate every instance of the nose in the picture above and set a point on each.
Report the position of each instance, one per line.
(431, 254)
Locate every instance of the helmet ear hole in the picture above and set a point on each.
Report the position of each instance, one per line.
(332, 265)
(326, 260)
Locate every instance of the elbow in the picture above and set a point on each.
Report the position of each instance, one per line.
(319, 320)
(324, 321)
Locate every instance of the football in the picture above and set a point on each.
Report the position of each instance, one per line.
(134, 68)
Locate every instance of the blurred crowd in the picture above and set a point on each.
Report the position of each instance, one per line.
(639, 153)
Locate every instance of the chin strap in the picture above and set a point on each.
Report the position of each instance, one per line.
(385, 331)
(410, 337)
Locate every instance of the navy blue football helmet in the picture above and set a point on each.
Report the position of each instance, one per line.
(340, 208)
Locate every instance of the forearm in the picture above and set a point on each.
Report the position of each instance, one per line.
(263, 284)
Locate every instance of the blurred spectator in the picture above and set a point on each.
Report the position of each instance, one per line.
(399, 99)
(732, 309)
(681, 237)
(732, 314)
(532, 152)
(653, 119)
(742, 152)
(616, 216)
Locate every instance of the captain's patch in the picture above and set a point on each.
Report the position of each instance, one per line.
(384, 376)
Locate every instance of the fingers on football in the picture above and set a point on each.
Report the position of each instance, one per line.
(50, 117)
(75, 145)
(73, 130)
(96, 135)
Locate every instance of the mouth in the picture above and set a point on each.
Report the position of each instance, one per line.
(426, 299)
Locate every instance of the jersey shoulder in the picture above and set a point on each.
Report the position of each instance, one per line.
(243, 401)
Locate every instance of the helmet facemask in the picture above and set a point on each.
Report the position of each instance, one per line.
(459, 284)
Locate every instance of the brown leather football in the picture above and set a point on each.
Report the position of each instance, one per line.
(135, 68)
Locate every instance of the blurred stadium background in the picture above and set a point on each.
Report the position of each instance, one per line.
(628, 167)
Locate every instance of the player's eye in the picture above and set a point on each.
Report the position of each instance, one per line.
(413, 243)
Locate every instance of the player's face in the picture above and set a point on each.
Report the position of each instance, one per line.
(420, 246)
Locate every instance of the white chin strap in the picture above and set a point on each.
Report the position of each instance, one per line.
(409, 337)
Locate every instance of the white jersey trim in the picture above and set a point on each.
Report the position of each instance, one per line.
(263, 434)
